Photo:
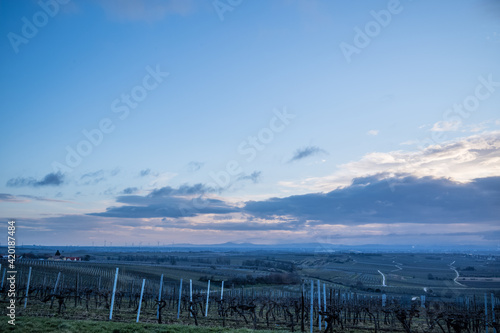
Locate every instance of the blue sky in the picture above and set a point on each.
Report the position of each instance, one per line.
(261, 121)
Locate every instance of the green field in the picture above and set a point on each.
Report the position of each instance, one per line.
(58, 325)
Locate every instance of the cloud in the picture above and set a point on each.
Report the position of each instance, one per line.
(109, 191)
(166, 207)
(184, 201)
(480, 127)
(409, 143)
(38, 198)
(457, 182)
(183, 190)
(149, 11)
(453, 126)
(96, 177)
(372, 132)
(231, 226)
(130, 190)
(306, 152)
(147, 172)
(51, 179)
(254, 177)
(463, 160)
(375, 199)
(446, 126)
(98, 173)
(4, 197)
(92, 178)
(13, 198)
(70, 223)
(194, 166)
(400, 199)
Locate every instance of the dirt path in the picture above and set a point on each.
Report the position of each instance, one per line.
(398, 266)
(383, 279)
(458, 275)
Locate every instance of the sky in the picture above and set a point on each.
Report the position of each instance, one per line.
(269, 122)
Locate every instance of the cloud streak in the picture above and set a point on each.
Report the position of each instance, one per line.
(183, 190)
(96, 177)
(306, 152)
(145, 172)
(130, 190)
(5, 197)
(254, 177)
(51, 179)
(194, 166)
(446, 126)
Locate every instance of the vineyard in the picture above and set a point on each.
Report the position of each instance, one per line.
(127, 293)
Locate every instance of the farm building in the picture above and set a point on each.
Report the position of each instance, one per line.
(58, 256)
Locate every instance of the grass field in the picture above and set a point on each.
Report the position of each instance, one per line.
(47, 325)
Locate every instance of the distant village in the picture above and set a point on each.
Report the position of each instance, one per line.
(56, 257)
